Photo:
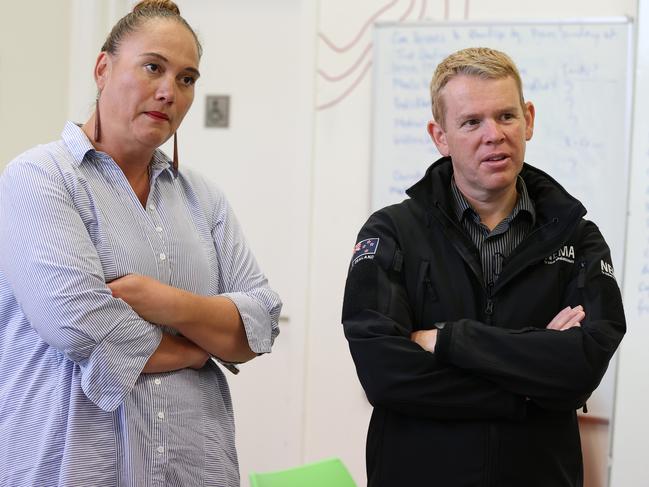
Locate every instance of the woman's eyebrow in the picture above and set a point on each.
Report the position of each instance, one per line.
(162, 58)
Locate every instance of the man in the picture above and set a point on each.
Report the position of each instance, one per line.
(482, 311)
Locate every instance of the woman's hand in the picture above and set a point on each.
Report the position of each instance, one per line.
(174, 353)
(151, 299)
(155, 302)
(211, 322)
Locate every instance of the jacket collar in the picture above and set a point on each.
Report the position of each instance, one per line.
(551, 201)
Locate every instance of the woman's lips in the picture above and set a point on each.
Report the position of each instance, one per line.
(158, 115)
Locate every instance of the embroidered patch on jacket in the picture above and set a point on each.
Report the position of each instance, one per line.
(606, 268)
(564, 254)
(365, 249)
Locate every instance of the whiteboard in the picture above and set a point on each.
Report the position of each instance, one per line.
(578, 74)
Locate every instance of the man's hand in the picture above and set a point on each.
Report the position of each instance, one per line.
(567, 318)
(564, 320)
(426, 339)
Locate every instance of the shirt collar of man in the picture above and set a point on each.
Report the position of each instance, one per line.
(81, 148)
(524, 204)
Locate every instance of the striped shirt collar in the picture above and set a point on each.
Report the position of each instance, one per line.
(524, 203)
(80, 147)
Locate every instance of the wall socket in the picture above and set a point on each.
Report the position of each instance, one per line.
(217, 111)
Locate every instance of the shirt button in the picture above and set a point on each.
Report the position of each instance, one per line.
(161, 449)
(157, 382)
(152, 207)
(158, 229)
(161, 415)
(163, 256)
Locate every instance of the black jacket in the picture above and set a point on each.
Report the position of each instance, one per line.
(494, 406)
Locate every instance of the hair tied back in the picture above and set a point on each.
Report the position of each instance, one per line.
(157, 4)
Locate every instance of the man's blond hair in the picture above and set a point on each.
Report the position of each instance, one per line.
(482, 62)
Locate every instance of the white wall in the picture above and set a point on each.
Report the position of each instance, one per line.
(297, 176)
(254, 52)
(34, 71)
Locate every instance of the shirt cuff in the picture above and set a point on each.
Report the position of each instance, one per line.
(112, 369)
(256, 321)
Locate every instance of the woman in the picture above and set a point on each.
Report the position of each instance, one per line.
(120, 276)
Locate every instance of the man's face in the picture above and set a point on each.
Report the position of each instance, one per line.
(485, 130)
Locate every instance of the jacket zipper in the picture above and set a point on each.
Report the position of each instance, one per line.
(454, 243)
(491, 460)
(581, 283)
(509, 257)
(489, 305)
(426, 290)
(581, 277)
(489, 308)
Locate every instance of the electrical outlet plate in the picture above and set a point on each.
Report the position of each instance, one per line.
(217, 111)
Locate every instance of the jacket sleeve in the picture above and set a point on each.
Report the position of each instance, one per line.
(56, 276)
(395, 372)
(556, 369)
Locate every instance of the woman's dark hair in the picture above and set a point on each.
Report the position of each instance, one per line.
(142, 12)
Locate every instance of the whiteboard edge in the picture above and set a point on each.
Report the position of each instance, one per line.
(623, 19)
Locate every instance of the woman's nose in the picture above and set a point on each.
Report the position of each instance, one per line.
(166, 90)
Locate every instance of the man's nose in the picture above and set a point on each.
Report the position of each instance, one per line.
(492, 132)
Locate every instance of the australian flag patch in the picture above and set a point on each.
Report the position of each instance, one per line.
(365, 249)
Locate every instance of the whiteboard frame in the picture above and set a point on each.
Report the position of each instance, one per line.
(568, 21)
(481, 23)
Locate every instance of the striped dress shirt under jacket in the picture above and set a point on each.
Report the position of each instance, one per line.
(495, 245)
(75, 410)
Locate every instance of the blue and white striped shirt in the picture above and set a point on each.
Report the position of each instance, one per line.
(75, 409)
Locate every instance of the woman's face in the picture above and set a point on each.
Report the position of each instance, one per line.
(147, 86)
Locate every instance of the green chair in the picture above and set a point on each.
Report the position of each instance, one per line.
(325, 473)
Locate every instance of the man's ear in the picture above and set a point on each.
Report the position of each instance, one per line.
(102, 69)
(438, 134)
(530, 112)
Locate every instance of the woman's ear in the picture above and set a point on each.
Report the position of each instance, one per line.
(102, 69)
